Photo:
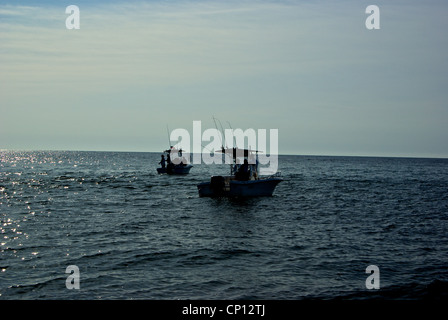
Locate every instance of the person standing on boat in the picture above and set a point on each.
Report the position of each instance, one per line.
(162, 162)
(236, 166)
(170, 165)
(243, 171)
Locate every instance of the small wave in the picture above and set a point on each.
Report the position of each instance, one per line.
(64, 178)
(435, 290)
(146, 257)
(28, 288)
(232, 252)
(96, 255)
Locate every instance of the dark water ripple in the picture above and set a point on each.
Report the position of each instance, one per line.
(138, 235)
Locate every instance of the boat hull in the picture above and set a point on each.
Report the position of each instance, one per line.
(234, 188)
(175, 170)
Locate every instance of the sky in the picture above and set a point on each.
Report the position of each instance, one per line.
(310, 69)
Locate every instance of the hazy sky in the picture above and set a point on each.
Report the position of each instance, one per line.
(310, 69)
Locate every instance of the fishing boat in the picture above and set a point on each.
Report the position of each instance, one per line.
(181, 166)
(177, 169)
(243, 181)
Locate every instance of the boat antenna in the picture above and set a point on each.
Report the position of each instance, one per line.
(214, 120)
(222, 130)
(169, 141)
(234, 140)
(206, 148)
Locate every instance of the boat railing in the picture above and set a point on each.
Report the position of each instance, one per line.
(278, 174)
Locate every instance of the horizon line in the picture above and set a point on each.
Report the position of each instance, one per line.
(279, 154)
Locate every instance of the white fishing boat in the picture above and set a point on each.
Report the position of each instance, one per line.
(243, 181)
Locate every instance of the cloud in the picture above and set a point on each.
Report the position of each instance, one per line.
(154, 42)
(17, 10)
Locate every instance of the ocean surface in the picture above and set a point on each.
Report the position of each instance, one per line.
(134, 234)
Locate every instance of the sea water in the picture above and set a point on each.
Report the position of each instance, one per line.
(135, 234)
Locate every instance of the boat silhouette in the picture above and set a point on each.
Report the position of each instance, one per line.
(179, 165)
(244, 179)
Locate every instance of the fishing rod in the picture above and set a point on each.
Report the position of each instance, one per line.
(233, 136)
(214, 120)
(222, 130)
(169, 141)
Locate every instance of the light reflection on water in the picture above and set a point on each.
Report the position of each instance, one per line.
(136, 234)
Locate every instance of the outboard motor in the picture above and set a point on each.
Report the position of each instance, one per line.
(218, 184)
